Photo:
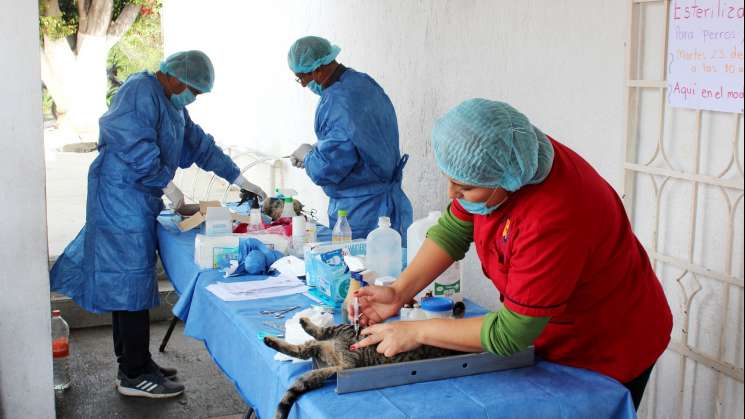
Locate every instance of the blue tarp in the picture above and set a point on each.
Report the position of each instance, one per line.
(229, 331)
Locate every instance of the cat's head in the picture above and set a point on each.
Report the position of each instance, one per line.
(273, 207)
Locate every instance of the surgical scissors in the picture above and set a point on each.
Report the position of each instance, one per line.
(278, 314)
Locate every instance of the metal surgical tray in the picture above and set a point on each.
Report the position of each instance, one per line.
(380, 376)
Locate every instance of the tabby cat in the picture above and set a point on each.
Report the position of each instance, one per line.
(331, 348)
(273, 207)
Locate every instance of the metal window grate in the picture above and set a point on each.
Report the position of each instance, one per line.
(689, 217)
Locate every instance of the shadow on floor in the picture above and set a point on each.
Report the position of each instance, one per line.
(93, 370)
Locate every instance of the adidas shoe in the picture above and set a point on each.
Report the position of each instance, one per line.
(169, 373)
(164, 371)
(150, 385)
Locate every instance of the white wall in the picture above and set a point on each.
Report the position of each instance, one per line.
(560, 62)
(25, 342)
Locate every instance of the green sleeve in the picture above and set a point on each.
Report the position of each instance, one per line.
(452, 235)
(505, 332)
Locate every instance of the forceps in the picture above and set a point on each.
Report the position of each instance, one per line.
(278, 314)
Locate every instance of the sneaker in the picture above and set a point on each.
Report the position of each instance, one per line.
(150, 385)
(169, 373)
(164, 371)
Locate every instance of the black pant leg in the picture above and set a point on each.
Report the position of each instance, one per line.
(132, 341)
(118, 345)
(637, 385)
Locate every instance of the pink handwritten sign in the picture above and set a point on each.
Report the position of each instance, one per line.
(705, 55)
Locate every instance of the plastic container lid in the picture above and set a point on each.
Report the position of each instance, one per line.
(342, 213)
(288, 199)
(56, 313)
(437, 304)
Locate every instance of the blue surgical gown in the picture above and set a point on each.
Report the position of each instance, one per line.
(356, 160)
(110, 265)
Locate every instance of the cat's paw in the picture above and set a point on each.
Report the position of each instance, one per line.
(305, 323)
(271, 342)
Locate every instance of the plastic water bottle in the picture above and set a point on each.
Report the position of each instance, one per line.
(384, 249)
(310, 231)
(448, 284)
(60, 351)
(342, 231)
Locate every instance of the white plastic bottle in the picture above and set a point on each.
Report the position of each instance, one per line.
(417, 232)
(448, 284)
(384, 249)
(60, 351)
(342, 231)
(298, 235)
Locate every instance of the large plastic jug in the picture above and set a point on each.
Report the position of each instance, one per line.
(448, 284)
(417, 232)
(384, 249)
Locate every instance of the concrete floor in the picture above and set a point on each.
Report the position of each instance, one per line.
(209, 393)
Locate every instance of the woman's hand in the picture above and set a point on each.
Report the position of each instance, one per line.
(392, 338)
(376, 304)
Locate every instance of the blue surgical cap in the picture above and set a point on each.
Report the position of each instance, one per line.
(193, 68)
(490, 144)
(309, 53)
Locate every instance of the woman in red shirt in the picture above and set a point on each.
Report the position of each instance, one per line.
(553, 237)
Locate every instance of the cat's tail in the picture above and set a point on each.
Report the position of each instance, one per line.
(309, 381)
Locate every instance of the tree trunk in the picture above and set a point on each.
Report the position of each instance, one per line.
(78, 85)
(77, 80)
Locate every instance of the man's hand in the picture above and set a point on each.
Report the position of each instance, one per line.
(297, 158)
(245, 184)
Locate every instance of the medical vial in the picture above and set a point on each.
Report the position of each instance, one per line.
(60, 351)
(342, 230)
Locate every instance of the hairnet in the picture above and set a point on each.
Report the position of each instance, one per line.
(491, 144)
(309, 53)
(193, 68)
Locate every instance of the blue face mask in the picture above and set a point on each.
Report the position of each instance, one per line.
(479, 208)
(315, 87)
(180, 100)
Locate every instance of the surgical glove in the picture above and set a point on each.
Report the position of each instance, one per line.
(245, 184)
(174, 194)
(298, 156)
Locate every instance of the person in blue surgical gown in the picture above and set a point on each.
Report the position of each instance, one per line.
(110, 266)
(356, 159)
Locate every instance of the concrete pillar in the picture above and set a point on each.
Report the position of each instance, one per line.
(25, 341)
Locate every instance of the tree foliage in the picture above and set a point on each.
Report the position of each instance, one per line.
(66, 23)
(130, 28)
(141, 48)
